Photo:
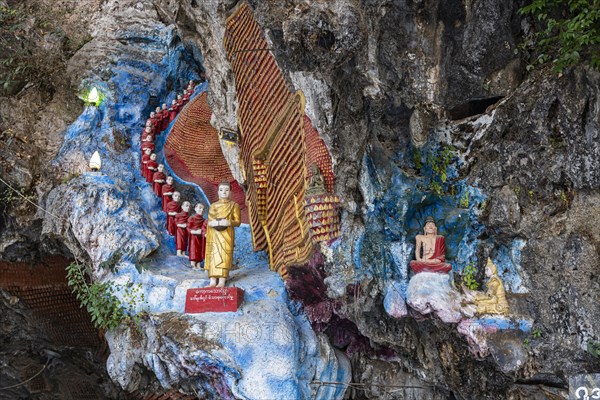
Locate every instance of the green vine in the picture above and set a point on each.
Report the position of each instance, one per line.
(571, 33)
(106, 309)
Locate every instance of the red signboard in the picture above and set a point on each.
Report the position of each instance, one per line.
(212, 299)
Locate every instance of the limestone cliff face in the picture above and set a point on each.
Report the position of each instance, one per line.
(389, 86)
(385, 80)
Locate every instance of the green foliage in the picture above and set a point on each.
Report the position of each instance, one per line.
(12, 61)
(483, 205)
(439, 163)
(594, 348)
(8, 196)
(468, 277)
(564, 198)
(25, 57)
(417, 159)
(571, 33)
(536, 333)
(531, 199)
(517, 190)
(464, 200)
(436, 188)
(526, 341)
(557, 143)
(106, 309)
(69, 176)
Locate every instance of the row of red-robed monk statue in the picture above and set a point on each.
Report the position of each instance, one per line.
(189, 231)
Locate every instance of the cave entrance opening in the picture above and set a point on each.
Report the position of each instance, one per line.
(473, 107)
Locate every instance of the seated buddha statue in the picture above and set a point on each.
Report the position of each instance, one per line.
(493, 301)
(430, 251)
(316, 185)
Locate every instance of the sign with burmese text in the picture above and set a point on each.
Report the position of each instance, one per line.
(584, 387)
(212, 299)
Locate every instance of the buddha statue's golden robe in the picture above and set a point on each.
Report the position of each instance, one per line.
(493, 301)
(219, 243)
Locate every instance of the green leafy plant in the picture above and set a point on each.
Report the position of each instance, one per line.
(106, 309)
(69, 176)
(483, 205)
(531, 199)
(439, 162)
(536, 333)
(8, 196)
(436, 188)
(468, 277)
(417, 159)
(570, 33)
(564, 198)
(594, 348)
(464, 200)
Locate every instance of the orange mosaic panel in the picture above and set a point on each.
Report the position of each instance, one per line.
(323, 217)
(194, 153)
(196, 142)
(279, 145)
(261, 92)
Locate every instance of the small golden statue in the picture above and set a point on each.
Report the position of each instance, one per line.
(223, 216)
(493, 301)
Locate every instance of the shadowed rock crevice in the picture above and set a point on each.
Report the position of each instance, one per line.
(472, 107)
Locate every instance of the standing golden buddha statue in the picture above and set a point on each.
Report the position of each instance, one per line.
(223, 216)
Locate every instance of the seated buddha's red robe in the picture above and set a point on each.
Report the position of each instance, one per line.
(186, 99)
(181, 237)
(197, 243)
(157, 186)
(439, 255)
(151, 168)
(166, 198)
(172, 207)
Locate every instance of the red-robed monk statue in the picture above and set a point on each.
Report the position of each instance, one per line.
(148, 143)
(145, 159)
(165, 115)
(172, 209)
(181, 236)
(173, 110)
(151, 168)
(197, 236)
(433, 248)
(158, 180)
(158, 118)
(166, 192)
